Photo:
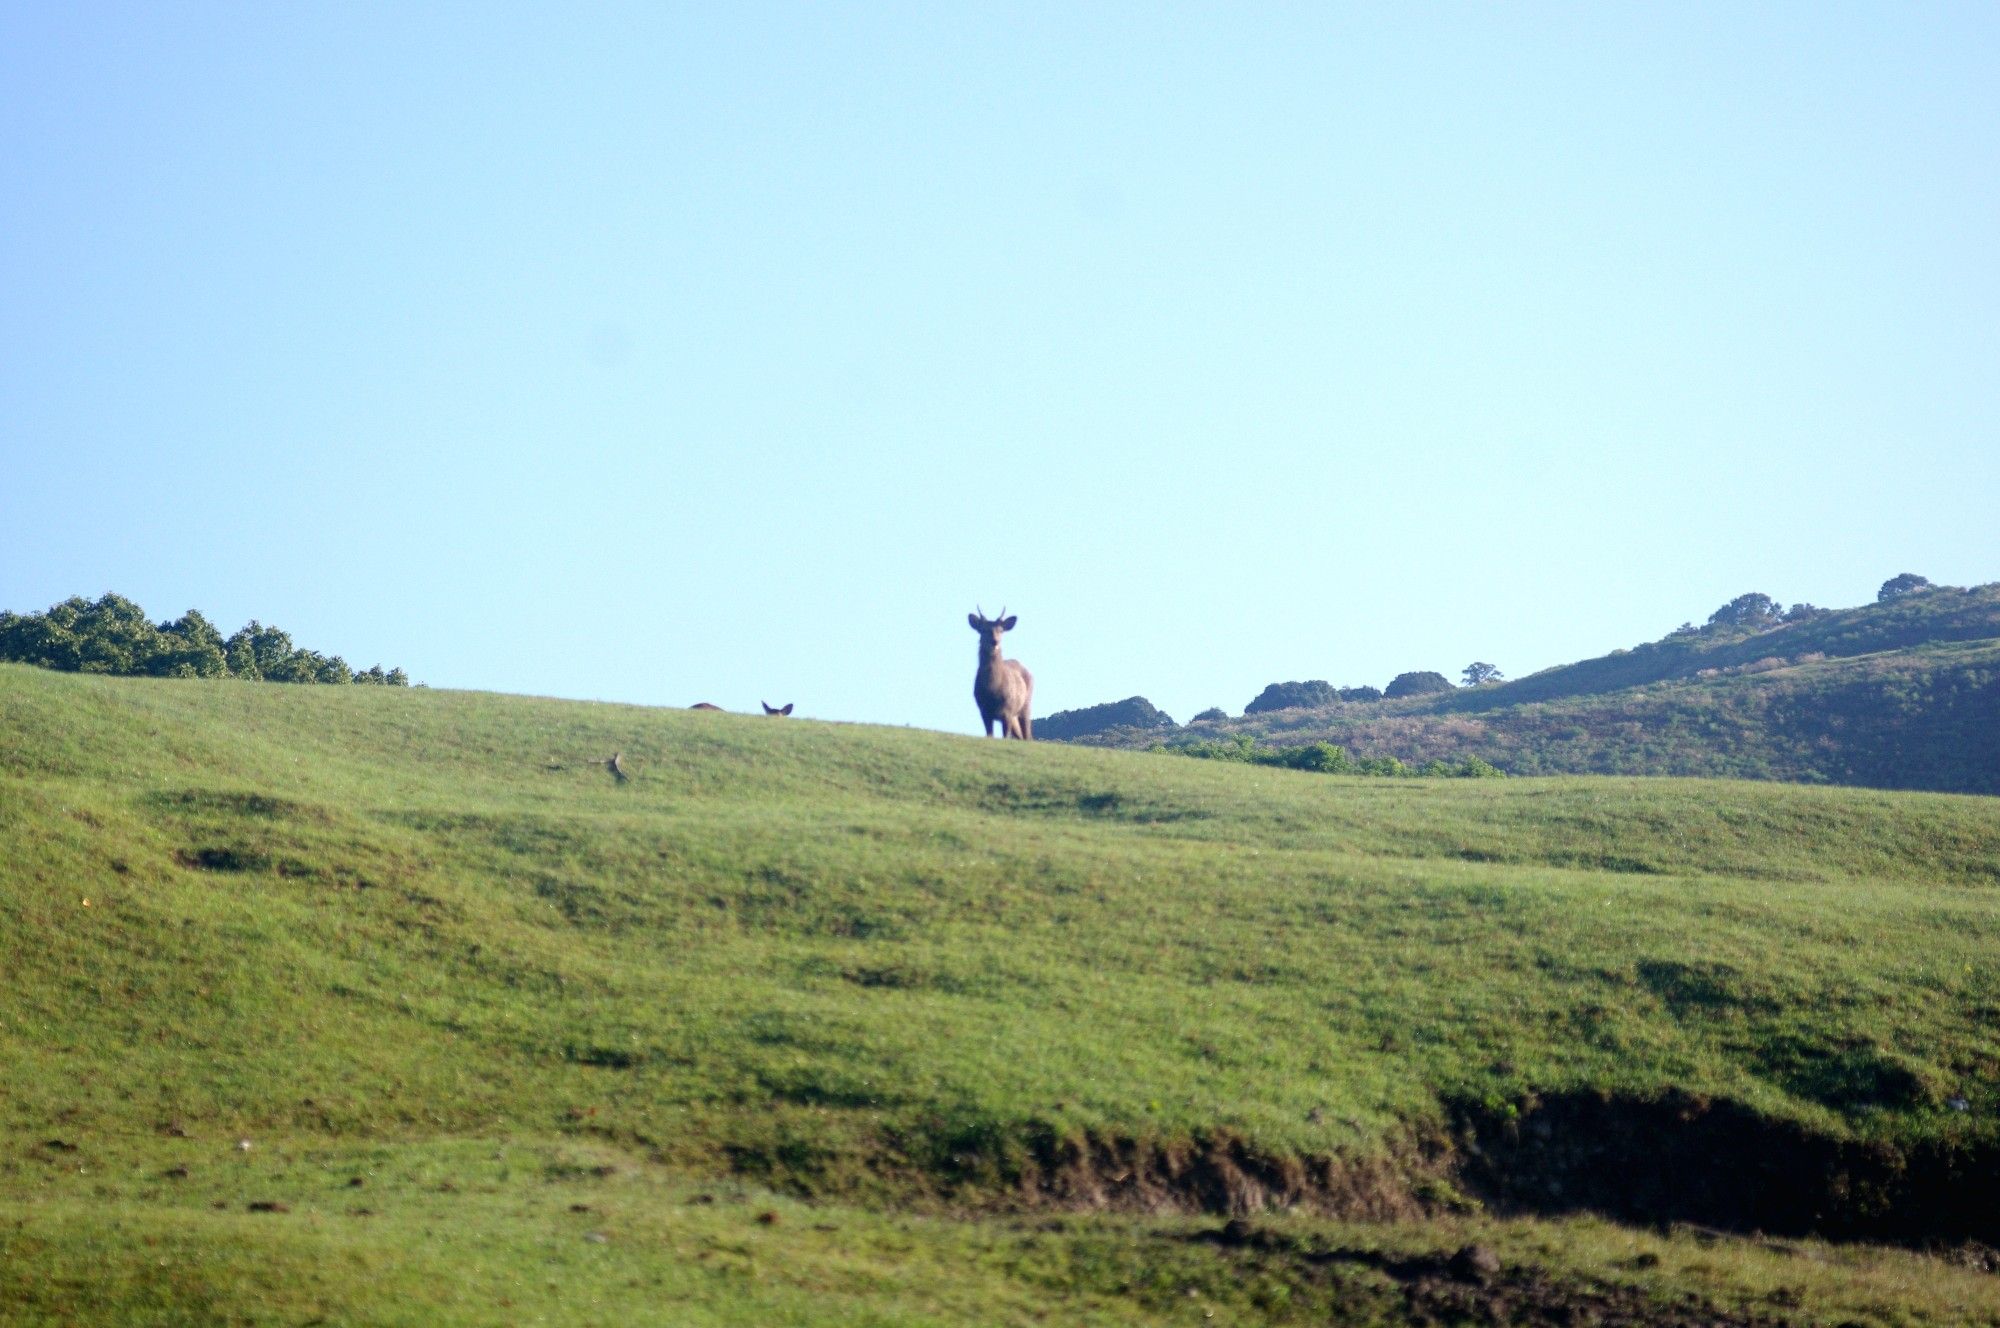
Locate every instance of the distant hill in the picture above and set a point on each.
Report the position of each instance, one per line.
(1135, 715)
(1904, 693)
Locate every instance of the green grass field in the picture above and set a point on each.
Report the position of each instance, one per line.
(813, 1023)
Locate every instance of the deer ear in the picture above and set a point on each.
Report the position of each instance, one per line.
(1007, 624)
(972, 621)
(787, 710)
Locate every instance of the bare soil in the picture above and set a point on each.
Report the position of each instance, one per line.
(1678, 1159)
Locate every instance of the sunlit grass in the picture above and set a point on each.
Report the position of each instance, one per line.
(832, 958)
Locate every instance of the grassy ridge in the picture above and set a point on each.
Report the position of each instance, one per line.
(880, 926)
(869, 963)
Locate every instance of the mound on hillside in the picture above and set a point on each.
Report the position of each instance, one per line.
(1135, 714)
(1313, 694)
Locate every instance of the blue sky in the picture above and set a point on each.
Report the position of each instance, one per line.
(668, 353)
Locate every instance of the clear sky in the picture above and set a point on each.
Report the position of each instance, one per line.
(669, 353)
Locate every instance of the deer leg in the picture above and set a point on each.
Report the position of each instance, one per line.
(989, 726)
(1027, 727)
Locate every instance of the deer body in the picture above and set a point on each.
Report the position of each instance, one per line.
(1003, 688)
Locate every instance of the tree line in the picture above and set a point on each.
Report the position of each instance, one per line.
(114, 635)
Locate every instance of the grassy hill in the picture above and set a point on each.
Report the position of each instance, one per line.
(392, 1006)
(1902, 694)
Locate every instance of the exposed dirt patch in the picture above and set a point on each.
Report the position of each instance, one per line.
(1684, 1158)
(1678, 1159)
(1473, 1285)
(1218, 1173)
(984, 1166)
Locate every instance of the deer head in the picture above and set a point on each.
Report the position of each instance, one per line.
(774, 711)
(990, 629)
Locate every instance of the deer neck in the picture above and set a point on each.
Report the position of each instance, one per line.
(989, 657)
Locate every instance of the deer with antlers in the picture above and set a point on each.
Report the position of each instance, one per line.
(1002, 687)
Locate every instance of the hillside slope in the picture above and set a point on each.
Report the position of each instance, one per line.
(1937, 617)
(1903, 694)
(870, 964)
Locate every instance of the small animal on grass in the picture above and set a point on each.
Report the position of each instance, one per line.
(776, 712)
(616, 766)
(704, 705)
(1003, 688)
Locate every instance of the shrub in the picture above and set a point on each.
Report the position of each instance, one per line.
(1467, 767)
(1417, 684)
(1310, 695)
(1906, 583)
(1326, 758)
(1134, 712)
(1751, 610)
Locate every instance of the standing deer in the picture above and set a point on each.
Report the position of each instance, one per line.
(1002, 687)
(776, 712)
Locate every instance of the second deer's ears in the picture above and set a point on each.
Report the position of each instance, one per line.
(787, 710)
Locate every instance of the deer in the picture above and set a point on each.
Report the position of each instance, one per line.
(704, 705)
(776, 712)
(1002, 687)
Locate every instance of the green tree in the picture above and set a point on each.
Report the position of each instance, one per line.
(296, 665)
(330, 669)
(1417, 684)
(257, 651)
(113, 635)
(1751, 610)
(1478, 675)
(1906, 583)
(190, 647)
(37, 638)
(1309, 695)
